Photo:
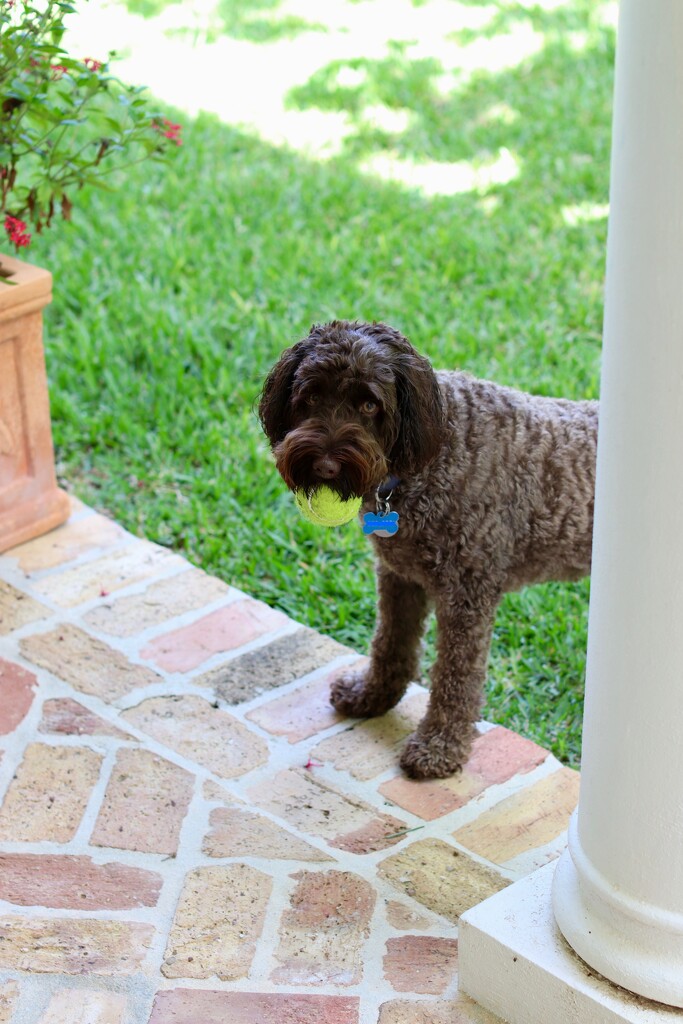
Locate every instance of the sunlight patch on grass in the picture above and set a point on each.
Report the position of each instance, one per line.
(387, 119)
(188, 58)
(444, 179)
(547, 5)
(498, 113)
(583, 213)
(495, 54)
(609, 14)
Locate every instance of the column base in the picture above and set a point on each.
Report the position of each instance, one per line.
(514, 962)
(631, 943)
(33, 517)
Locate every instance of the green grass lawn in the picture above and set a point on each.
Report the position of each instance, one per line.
(176, 291)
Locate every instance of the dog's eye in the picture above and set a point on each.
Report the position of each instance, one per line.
(369, 407)
(312, 399)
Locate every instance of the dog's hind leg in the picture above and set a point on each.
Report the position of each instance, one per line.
(442, 742)
(394, 654)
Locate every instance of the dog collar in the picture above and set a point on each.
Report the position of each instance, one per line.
(383, 522)
(385, 490)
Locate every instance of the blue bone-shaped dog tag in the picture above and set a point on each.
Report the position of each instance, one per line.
(381, 525)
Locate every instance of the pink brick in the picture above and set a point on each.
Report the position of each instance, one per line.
(311, 805)
(68, 717)
(500, 753)
(75, 883)
(16, 686)
(496, 756)
(405, 918)
(302, 712)
(202, 1006)
(145, 804)
(201, 732)
(425, 964)
(322, 934)
(224, 630)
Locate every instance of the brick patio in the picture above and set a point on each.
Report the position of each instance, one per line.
(189, 834)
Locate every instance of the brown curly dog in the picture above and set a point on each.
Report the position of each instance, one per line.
(493, 490)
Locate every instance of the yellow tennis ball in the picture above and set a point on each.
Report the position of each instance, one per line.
(324, 507)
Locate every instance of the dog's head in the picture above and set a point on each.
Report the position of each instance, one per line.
(350, 405)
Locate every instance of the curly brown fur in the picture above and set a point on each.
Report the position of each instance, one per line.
(495, 492)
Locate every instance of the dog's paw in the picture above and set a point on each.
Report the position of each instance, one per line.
(354, 695)
(433, 757)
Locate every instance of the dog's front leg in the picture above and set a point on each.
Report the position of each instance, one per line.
(442, 742)
(394, 654)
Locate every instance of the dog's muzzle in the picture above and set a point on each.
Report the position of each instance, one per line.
(345, 458)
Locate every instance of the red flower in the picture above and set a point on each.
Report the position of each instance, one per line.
(57, 71)
(92, 64)
(170, 131)
(16, 229)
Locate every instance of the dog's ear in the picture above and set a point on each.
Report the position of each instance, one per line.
(420, 414)
(419, 405)
(274, 403)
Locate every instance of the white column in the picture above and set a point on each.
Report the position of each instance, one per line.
(618, 891)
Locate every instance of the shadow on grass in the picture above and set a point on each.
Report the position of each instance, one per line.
(175, 293)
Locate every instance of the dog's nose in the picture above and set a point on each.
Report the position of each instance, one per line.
(326, 468)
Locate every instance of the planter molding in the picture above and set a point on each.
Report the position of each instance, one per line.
(31, 503)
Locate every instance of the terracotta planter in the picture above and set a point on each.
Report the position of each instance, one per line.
(31, 503)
